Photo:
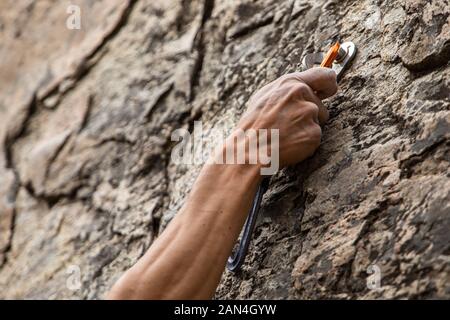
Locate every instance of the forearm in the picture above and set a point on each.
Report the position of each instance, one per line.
(187, 260)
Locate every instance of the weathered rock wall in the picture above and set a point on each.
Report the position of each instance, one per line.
(86, 116)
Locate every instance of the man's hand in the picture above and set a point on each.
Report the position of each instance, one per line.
(292, 104)
(187, 260)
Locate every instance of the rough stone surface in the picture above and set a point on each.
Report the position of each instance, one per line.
(86, 116)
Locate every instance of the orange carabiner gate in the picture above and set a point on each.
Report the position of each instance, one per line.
(331, 55)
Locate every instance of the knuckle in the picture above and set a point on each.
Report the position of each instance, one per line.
(302, 88)
(288, 78)
(298, 91)
(331, 78)
(315, 134)
(331, 75)
(311, 110)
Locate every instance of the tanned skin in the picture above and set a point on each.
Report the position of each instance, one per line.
(187, 260)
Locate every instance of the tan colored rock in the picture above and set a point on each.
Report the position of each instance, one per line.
(86, 176)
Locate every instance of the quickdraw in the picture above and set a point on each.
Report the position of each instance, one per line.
(337, 58)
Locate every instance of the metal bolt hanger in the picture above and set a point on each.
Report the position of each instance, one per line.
(338, 58)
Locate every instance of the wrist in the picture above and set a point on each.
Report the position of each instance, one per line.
(256, 149)
(237, 151)
(225, 182)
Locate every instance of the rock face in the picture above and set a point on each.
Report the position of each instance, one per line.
(86, 116)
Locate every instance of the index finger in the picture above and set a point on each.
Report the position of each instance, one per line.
(321, 80)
